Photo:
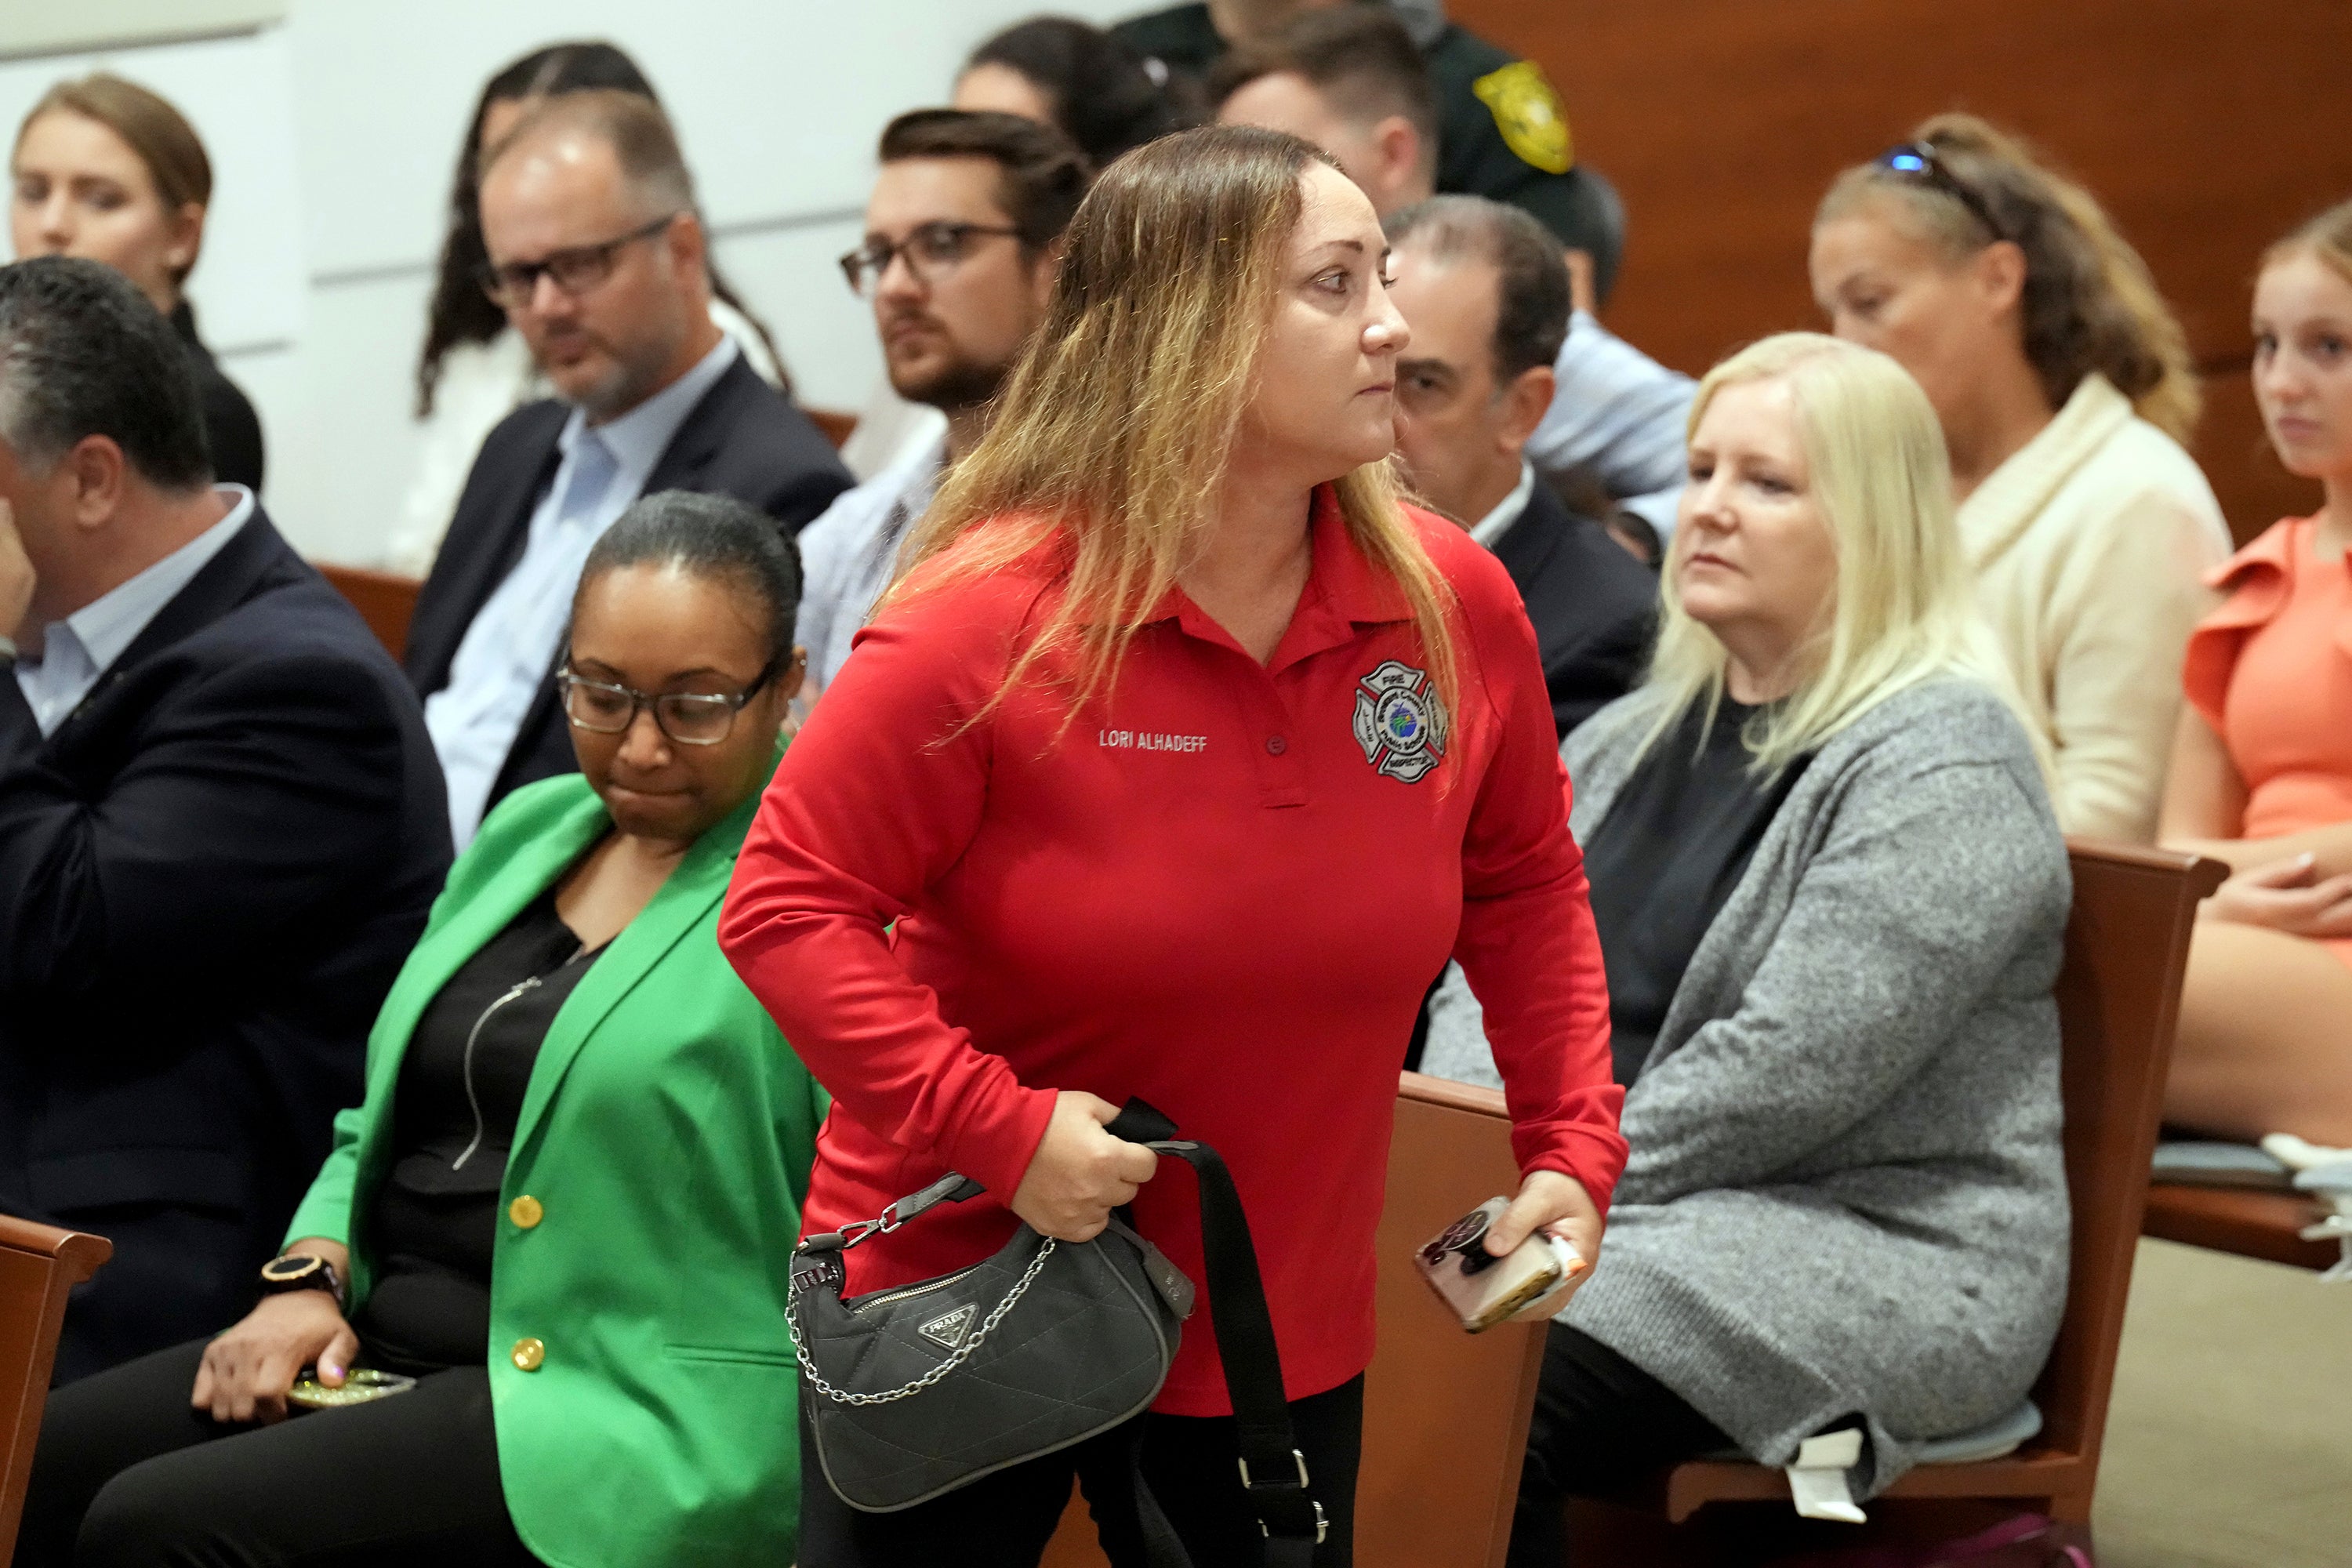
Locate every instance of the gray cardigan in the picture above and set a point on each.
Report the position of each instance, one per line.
(1846, 1194)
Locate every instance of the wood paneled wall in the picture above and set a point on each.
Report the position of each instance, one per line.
(2208, 127)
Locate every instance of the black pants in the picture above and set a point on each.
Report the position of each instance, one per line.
(126, 1473)
(1602, 1426)
(1191, 1463)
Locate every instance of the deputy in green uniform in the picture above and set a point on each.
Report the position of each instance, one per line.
(1503, 133)
(567, 1205)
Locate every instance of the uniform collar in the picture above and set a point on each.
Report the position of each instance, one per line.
(1343, 592)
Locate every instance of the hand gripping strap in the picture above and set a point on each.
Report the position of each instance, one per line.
(1274, 1472)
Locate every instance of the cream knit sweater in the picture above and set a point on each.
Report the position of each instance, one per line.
(2089, 545)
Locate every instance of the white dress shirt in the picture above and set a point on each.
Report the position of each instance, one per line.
(849, 555)
(513, 639)
(1489, 530)
(1623, 414)
(77, 651)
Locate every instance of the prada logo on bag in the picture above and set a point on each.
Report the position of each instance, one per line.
(949, 1332)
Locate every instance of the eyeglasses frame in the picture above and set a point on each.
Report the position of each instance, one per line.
(1938, 175)
(854, 262)
(641, 701)
(493, 278)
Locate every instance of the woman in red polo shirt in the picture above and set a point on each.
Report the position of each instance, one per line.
(1182, 757)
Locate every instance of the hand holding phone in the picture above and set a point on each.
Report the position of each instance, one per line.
(1484, 1290)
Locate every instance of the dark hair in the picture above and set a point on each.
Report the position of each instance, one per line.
(156, 131)
(1358, 57)
(713, 537)
(82, 353)
(1531, 301)
(1104, 97)
(1041, 176)
(460, 312)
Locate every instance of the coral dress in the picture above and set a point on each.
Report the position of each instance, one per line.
(2272, 671)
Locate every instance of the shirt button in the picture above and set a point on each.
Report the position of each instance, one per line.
(1275, 745)
(526, 1212)
(529, 1353)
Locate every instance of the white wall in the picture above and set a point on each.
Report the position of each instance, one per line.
(334, 138)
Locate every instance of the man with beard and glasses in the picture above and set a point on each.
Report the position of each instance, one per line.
(963, 235)
(600, 262)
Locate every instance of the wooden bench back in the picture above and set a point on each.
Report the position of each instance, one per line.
(40, 1266)
(384, 600)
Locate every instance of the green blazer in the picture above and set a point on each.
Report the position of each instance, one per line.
(641, 1369)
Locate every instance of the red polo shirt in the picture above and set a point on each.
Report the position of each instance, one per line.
(1224, 887)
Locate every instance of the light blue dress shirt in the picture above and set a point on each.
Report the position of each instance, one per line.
(849, 555)
(77, 651)
(506, 651)
(1621, 413)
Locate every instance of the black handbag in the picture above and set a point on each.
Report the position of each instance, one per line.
(915, 1390)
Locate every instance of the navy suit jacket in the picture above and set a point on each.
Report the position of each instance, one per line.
(1593, 606)
(209, 875)
(742, 439)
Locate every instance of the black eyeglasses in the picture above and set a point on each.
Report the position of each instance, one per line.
(689, 717)
(1920, 161)
(929, 248)
(576, 270)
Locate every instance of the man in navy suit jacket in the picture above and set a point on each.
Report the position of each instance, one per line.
(597, 257)
(221, 827)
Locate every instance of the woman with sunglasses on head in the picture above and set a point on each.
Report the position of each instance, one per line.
(1178, 761)
(105, 169)
(2064, 389)
(566, 1204)
(473, 370)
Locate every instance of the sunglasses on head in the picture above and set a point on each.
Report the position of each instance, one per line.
(1918, 161)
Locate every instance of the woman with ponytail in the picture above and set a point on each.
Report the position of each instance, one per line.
(1178, 760)
(2064, 389)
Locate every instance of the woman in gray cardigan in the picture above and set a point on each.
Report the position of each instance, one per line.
(1831, 894)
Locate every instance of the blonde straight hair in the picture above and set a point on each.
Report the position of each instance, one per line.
(2090, 303)
(2327, 236)
(1902, 610)
(1112, 436)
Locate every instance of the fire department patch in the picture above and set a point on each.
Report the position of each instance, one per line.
(1400, 722)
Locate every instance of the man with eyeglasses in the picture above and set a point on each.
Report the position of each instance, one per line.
(597, 255)
(963, 234)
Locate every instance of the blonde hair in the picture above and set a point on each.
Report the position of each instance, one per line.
(2326, 237)
(2089, 303)
(158, 134)
(1902, 610)
(1113, 434)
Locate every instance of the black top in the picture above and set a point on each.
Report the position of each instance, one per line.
(1472, 155)
(1675, 842)
(232, 429)
(455, 1111)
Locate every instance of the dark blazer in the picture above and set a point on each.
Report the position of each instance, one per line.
(1594, 607)
(232, 429)
(742, 439)
(209, 875)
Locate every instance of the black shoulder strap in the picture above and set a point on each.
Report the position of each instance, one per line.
(1273, 1470)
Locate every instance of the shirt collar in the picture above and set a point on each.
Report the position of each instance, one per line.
(637, 439)
(1342, 592)
(1489, 530)
(110, 624)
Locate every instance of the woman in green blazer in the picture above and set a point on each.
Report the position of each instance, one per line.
(568, 1203)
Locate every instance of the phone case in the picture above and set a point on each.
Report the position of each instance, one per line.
(364, 1384)
(1481, 1289)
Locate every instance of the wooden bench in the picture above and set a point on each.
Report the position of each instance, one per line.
(385, 600)
(2265, 1226)
(40, 1266)
(1445, 1413)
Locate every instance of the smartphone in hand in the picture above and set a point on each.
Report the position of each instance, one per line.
(1483, 1289)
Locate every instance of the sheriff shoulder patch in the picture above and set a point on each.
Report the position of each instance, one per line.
(1528, 114)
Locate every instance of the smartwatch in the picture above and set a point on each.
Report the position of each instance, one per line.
(300, 1271)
